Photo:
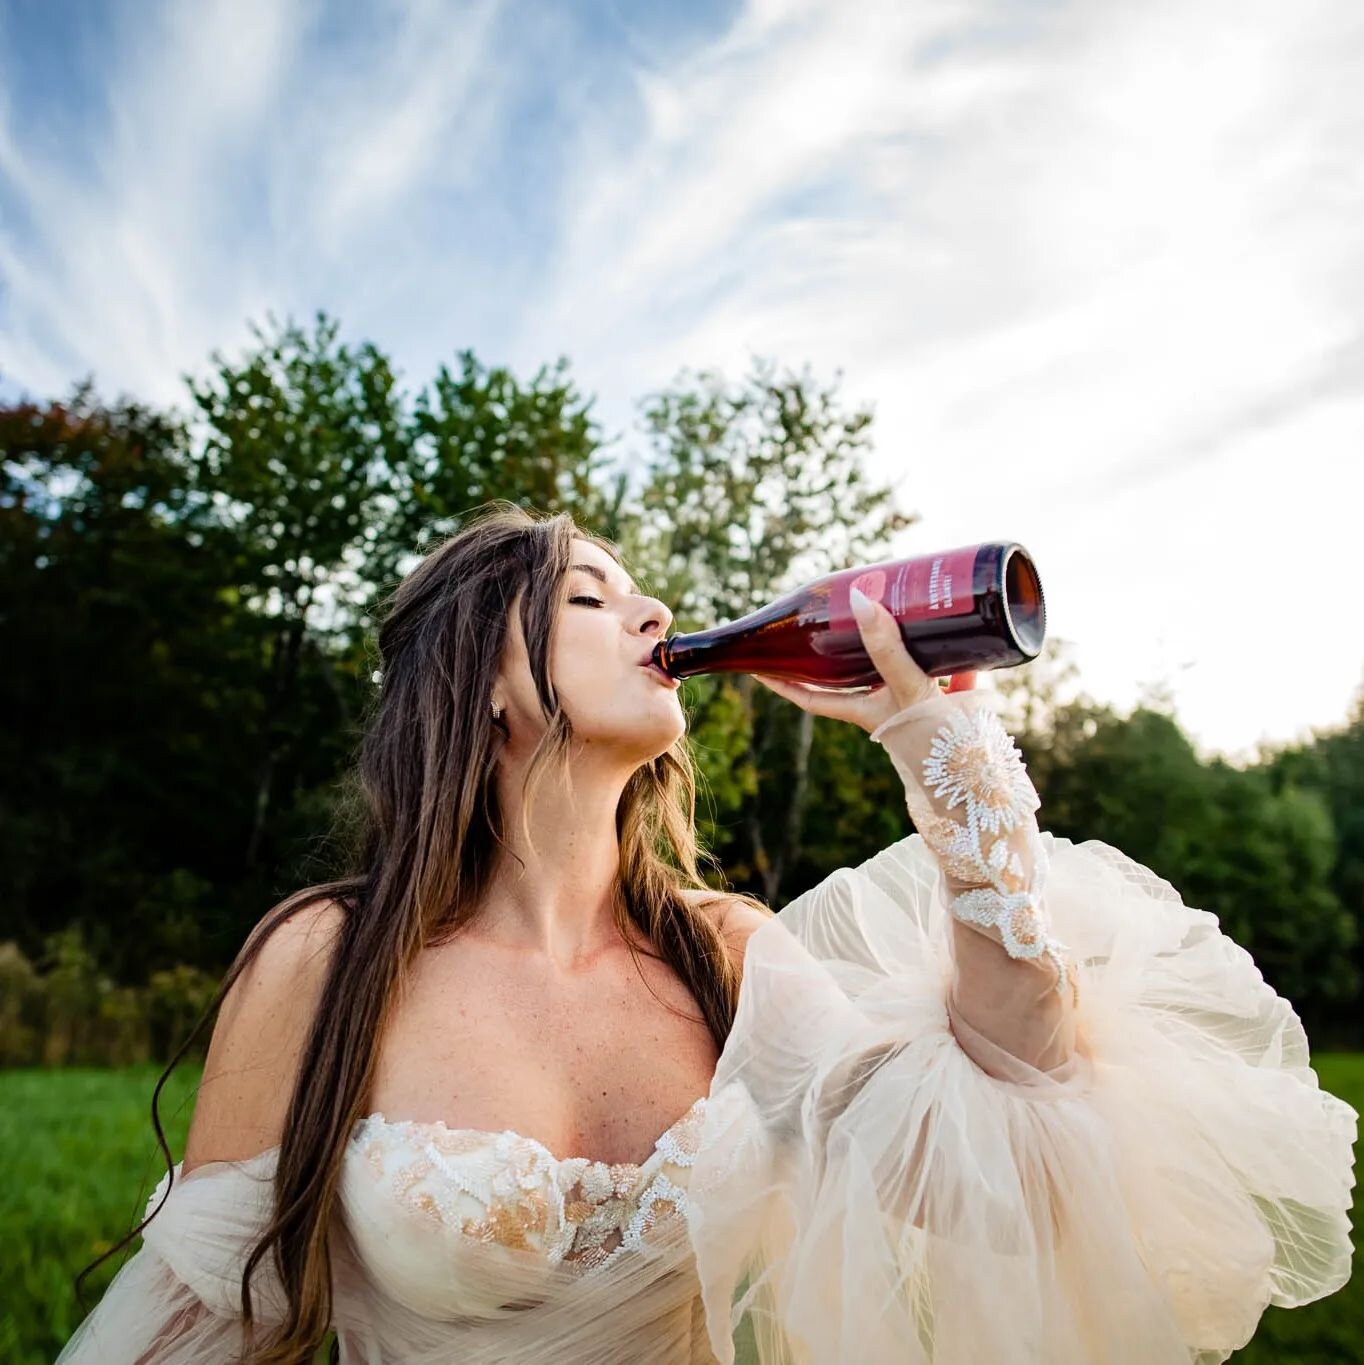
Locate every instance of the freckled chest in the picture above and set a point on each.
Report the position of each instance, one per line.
(594, 1064)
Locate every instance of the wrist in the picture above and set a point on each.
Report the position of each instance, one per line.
(938, 703)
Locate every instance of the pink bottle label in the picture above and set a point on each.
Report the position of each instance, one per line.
(912, 589)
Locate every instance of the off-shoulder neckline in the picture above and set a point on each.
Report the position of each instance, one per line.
(377, 1118)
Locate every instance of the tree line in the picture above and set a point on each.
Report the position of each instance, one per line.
(187, 599)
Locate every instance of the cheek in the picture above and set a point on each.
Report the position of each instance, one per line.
(584, 658)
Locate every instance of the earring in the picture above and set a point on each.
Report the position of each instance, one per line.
(497, 711)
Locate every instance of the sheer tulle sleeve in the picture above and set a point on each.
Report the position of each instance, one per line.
(1062, 1120)
(177, 1300)
(972, 802)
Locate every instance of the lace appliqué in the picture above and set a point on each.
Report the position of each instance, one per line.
(974, 763)
(511, 1190)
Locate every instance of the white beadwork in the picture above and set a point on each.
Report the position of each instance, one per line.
(674, 1151)
(974, 759)
(505, 1187)
(661, 1189)
(973, 763)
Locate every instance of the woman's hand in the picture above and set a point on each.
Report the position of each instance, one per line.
(903, 681)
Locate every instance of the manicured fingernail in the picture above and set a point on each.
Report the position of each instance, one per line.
(861, 603)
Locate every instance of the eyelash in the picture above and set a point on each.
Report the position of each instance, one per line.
(595, 602)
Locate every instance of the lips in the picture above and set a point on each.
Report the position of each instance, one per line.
(651, 667)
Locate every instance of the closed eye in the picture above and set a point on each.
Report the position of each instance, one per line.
(596, 602)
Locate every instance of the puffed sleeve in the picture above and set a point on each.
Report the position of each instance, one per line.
(994, 1095)
(177, 1299)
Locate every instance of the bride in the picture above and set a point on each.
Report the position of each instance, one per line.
(523, 1088)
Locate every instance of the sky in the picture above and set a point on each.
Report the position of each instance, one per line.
(1097, 267)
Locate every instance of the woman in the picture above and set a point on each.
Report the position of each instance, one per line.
(523, 1088)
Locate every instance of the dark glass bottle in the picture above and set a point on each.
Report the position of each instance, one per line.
(975, 607)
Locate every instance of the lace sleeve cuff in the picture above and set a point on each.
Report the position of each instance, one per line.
(968, 792)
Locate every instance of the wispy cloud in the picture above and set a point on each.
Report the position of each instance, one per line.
(1097, 265)
(248, 159)
(1340, 374)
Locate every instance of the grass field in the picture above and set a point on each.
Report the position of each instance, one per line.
(81, 1161)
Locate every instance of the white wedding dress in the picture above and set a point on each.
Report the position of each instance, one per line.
(990, 1095)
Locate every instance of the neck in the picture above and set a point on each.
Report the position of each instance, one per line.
(557, 901)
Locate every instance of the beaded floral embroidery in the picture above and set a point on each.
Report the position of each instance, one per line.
(573, 1209)
(973, 763)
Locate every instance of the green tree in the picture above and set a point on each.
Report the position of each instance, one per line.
(1331, 768)
(303, 444)
(123, 695)
(481, 434)
(1259, 860)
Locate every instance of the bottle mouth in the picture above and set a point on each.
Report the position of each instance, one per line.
(1025, 607)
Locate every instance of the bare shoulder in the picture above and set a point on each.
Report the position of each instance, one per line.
(736, 917)
(260, 1034)
(298, 941)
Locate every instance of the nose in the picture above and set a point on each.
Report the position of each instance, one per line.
(657, 618)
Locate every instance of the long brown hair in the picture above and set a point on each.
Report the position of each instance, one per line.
(424, 820)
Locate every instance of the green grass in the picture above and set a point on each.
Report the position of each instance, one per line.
(81, 1161)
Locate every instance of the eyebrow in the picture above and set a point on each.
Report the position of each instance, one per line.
(599, 573)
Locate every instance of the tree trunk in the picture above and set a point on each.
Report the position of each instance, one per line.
(789, 847)
(771, 865)
(283, 676)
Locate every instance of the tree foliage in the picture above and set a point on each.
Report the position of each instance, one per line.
(186, 606)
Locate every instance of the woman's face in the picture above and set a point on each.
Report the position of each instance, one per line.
(605, 633)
